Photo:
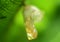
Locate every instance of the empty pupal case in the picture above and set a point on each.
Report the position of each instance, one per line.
(31, 15)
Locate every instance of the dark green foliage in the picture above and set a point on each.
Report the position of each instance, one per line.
(8, 9)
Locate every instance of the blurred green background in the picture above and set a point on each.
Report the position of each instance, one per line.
(12, 27)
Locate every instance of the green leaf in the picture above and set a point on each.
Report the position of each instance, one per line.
(8, 10)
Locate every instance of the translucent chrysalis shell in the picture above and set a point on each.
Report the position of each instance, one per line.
(31, 15)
